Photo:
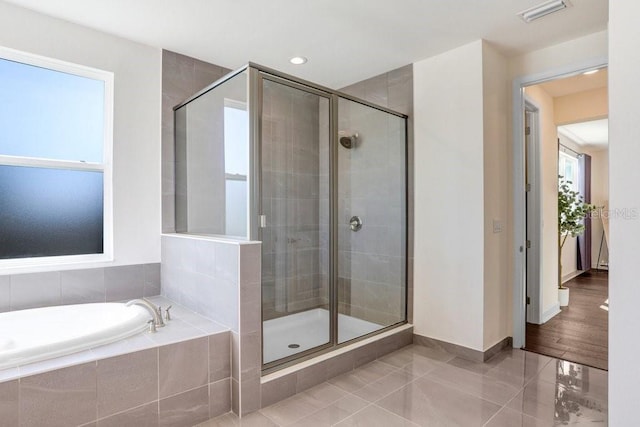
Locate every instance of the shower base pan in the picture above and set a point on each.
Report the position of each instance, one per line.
(289, 335)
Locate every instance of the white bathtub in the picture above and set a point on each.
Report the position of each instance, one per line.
(37, 334)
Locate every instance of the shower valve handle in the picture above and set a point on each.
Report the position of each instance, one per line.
(355, 223)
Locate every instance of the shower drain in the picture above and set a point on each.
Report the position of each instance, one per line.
(294, 345)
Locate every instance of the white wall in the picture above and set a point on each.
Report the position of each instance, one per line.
(569, 54)
(497, 198)
(136, 145)
(449, 199)
(624, 152)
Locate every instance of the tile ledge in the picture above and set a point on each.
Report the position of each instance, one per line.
(326, 356)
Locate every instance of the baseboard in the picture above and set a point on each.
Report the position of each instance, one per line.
(462, 351)
(550, 313)
(572, 275)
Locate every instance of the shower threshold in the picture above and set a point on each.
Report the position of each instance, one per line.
(295, 333)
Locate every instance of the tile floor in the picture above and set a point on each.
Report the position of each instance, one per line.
(419, 386)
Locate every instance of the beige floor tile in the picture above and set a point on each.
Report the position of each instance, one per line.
(483, 386)
(374, 416)
(555, 403)
(510, 418)
(385, 385)
(428, 402)
(333, 413)
(293, 409)
(255, 419)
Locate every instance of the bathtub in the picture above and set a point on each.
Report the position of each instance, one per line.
(37, 334)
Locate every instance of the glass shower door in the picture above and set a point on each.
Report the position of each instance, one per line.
(295, 230)
(371, 219)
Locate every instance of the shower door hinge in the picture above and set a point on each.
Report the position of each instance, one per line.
(528, 244)
(263, 221)
(528, 187)
(527, 130)
(528, 300)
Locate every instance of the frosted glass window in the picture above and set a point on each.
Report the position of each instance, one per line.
(50, 212)
(54, 158)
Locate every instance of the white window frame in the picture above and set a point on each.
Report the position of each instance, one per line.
(16, 265)
(563, 158)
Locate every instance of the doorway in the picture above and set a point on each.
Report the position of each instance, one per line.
(564, 132)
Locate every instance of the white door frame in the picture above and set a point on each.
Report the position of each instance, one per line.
(519, 213)
(533, 214)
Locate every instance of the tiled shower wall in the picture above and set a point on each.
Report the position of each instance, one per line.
(182, 76)
(293, 277)
(32, 290)
(393, 90)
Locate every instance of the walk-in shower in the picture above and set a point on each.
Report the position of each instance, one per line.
(320, 178)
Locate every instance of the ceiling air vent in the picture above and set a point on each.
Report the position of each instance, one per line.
(543, 9)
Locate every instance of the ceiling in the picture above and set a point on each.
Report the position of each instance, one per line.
(593, 134)
(575, 84)
(345, 40)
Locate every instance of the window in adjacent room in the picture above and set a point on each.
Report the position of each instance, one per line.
(55, 161)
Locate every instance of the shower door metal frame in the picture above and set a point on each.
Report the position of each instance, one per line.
(257, 75)
(257, 78)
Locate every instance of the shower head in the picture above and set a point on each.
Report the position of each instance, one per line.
(347, 140)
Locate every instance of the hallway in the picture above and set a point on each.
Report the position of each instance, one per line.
(580, 332)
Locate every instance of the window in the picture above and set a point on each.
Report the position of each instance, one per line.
(55, 161)
(568, 169)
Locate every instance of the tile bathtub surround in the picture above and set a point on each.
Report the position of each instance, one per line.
(108, 284)
(134, 389)
(417, 385)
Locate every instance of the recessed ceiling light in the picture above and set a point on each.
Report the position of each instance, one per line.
(543, 9)
(298, 60)
(586, 73)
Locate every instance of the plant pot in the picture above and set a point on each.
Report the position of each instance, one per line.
(563, 296)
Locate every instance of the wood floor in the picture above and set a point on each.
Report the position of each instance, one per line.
(580, 332)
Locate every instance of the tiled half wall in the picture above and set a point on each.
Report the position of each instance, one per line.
(184, 383)
(220, 279)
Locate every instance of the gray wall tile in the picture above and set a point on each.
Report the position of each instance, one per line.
(311, 376)
(5, 293)
(219, 357)
(278, 389)
(59, 398)
(151, 279)
(82, 286)
(182, 77)
(143, 416)
(124, 282)
(35, 290)
(9, 404)
(127, 381)
(183, 366)
(185, 409)
(219, 397)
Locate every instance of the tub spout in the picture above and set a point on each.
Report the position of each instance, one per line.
(153, 310)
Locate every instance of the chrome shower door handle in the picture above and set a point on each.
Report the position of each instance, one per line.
(355, 223)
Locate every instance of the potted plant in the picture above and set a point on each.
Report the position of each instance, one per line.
(572, 211)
